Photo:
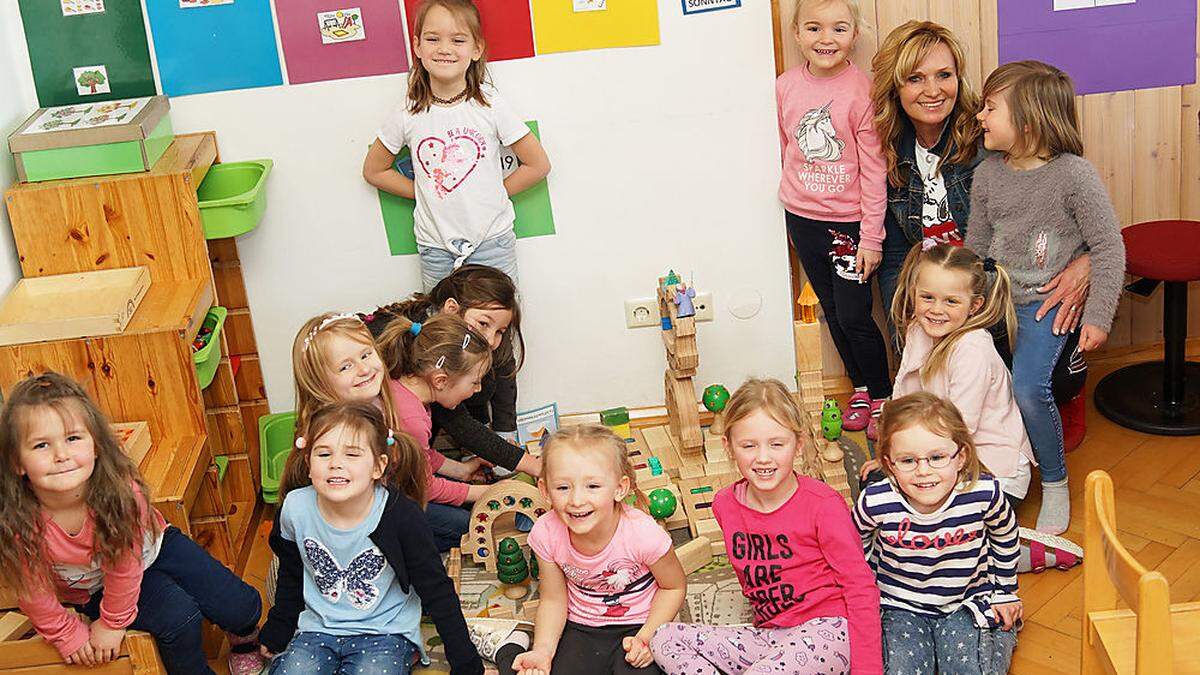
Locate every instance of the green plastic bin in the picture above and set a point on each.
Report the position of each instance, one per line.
(207, 359)
(233, 197)
(276, 437)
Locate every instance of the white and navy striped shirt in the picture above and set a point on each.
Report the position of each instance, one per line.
(965, 553)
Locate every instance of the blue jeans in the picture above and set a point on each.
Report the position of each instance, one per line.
(345, 655)
(449, 524)
(499, 252)
(184, 586)
(1037, 350)
(914, 643)
(895, 248)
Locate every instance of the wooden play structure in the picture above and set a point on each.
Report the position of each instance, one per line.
(508, 497)
(826, 461)
(679, 338)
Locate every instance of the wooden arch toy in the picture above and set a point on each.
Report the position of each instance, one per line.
(509, 496)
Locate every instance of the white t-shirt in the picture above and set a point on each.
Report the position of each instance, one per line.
(937, 222)
(456, 166)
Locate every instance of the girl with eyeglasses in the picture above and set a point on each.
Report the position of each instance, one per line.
(942, 540)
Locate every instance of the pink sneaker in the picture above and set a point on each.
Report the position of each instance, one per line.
(873, 419)
(250, 663)
(858, 412)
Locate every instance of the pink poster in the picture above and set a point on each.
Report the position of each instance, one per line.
(338, 39)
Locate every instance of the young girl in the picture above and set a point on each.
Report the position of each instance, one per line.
(796, 554)
(487, 300)
(1035, 206)
(609, 576)
(834, 192)
(78, 525)
(455, 124)
(943, 542)
(334, 359)
(357, 564)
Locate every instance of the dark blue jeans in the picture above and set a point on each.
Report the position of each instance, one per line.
(952, 645)
(449, 524)
(184, 586)
(313, 653)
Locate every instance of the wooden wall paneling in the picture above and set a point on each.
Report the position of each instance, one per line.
(892, 13)
(963, 17)
(989, 39)
(1189, 178)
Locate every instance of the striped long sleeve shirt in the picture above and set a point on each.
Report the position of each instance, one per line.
(963, 554)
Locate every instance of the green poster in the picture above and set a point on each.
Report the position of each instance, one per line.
(533, 215)
(84, 57)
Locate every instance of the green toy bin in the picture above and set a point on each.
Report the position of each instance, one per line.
(233, 197)
(276, 437)
(208, 358)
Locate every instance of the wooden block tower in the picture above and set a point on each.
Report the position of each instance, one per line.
(679, 338)
(811, 390)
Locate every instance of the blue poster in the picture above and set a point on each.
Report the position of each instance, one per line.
(214, 47)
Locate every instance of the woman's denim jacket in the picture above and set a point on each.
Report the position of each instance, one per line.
(904, 202)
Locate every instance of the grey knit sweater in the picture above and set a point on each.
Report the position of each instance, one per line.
(1036, 222)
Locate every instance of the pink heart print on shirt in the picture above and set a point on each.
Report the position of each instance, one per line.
(449, 162)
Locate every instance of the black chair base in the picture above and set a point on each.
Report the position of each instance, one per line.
(1133, 397)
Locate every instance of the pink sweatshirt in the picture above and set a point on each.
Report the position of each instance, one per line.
(833, 167)
(416, 420)
(803, 561)
(79, 575)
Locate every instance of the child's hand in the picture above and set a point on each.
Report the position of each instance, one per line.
(533, 662)
(105, 641)
(637, 652)
(1008, 614)
(84, 656)
(1091, 337)
(865, 262)
(473, 469)
(869, 466)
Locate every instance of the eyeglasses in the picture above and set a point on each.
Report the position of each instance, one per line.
(938, 460)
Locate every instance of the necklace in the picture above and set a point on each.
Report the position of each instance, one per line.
(449, 101)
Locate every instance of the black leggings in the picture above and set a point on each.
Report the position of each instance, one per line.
(586, 650)
(846, 302)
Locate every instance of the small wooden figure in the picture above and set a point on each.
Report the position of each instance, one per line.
(716, 396)
(505, 497)
(808, 304)
(511, 568)
(831, 420)
(683, 301)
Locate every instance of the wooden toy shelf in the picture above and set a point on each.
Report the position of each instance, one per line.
(145, 373)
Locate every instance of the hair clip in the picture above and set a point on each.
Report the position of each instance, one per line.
(440, 362)
(466, 341)
(928, 243)
(325, 323)
(989, 264)
(391, 439)
(415, 329)
(300, 443)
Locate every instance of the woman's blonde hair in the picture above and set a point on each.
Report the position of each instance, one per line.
(1041, 102)
(898, 57)
(595, 438)
(991, 285)
(773, 398)
(852, 5)
(405, 465)
(420, 92)
(936, 415)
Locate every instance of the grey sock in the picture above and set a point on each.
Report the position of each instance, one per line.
(1055, 514)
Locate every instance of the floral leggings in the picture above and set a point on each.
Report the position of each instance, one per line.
(818, 646)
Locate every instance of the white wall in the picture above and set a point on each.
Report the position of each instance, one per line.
(16, 103)
(664, 157)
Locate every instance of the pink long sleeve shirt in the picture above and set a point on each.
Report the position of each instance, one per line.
(833, 166)
(79, 575)
(802, 561)
(416, 420)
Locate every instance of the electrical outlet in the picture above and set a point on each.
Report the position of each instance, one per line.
(703, 302)
(641, 313)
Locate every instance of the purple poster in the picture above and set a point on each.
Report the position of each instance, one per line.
(336, 39)
(1106, 47)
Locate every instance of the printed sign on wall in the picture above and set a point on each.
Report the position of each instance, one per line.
(74, 7)
(702, 6)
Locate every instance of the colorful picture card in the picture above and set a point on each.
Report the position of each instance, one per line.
(1080, 38)
(215, 46)
(560, 27)
(77, 116)
(333, 39)
(507, 30)
(75, 7)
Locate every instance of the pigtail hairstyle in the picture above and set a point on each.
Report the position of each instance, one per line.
(601, 439)
(773, 398)
(405, 461)
(937, 415)
(1041, 100)
(899, 55)
(443, 342)
(420, 92)
(988, 281)
(121, 521)
(471, 286)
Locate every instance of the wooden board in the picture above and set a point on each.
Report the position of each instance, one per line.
(683, 414)
(66, 306)
(134, 438)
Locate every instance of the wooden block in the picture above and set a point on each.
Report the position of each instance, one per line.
(683, 414)
(528, 611)
(14, 626)
(454, 568)
(695, 554)
(679, 518)
(808, 346)
(66, 306)
(647, 482)
(691, 470)
(504, 611)
(134, 438)
(718, 468)
(656, 438)
(708, 528)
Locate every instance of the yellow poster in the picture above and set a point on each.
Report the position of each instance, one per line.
(573, 25)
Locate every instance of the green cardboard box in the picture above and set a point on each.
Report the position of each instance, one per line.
(92, 139)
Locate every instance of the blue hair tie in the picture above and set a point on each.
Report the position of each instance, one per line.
(415, 329)
(391, 439)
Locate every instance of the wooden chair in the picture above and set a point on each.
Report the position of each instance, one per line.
(1156, 637)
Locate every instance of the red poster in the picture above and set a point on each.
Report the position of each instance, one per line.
(507, 28)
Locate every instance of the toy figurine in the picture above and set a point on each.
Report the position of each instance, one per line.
(831, 420)
(683, 300)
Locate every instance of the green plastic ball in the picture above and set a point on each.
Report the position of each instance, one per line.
(662, 503)
(715, 397)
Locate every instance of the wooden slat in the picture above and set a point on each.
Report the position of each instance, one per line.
(231, 289)
(251, 411)
(222, 392)
(239, 333)
(225, 431)
(249, 379)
